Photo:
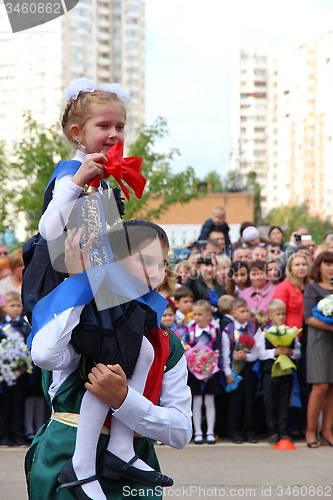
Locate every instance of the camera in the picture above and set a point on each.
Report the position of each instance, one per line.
(298, 237)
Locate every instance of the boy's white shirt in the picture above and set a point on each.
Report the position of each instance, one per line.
(179, 315)
(170, 422)
(250, 356)
(265, 354)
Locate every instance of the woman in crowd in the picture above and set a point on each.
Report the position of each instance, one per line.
(319, 354)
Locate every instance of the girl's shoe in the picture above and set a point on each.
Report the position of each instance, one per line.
(113, 467)
(198, 439)
(210, 439)
(68, 479)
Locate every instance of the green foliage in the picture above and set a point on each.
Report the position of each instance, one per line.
(35, 158)
(233, 182)
(5, 184)
(161, 181)
(214, 181)
(298, 215)
(253, 186)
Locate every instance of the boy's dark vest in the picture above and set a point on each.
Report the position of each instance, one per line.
(267, 364)
(230, 329)
(39, 275)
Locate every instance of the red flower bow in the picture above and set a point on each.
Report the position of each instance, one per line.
(123, 169)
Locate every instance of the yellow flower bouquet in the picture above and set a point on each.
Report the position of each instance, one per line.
(282, 336)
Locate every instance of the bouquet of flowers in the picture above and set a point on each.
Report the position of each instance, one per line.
(14, 357)
(259, 317)
(243, 343)
(202, 361)
(282, 336)
(324, 310)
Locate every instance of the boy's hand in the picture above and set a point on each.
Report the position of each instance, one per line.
(108, 383)
(239, 355)
(229, 379)
(92, 165)
(283, 350)
(77, 258)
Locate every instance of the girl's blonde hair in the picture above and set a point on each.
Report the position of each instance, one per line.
(79, 110)
(289, 275)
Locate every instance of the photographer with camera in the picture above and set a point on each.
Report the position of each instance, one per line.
(292, 247)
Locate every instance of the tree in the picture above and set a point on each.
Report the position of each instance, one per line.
(298, 215)
(36, 156)
(253, 186)
(162, 183)
(233, 182)
(214, 181)
(5, 189)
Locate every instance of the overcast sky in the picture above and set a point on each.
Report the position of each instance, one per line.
(188, 48)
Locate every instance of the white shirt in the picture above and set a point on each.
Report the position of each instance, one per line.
(170, 422)
(250, 356)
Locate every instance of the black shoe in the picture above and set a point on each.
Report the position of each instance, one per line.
(210, 439)
(273, 439)
(4, 442)
(68, 479)
(198, 439)
(113, 467)
(20, 442)
(251, 438)
(237, 440)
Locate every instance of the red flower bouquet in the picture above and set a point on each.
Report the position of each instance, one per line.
(202, 361)
(243, 343)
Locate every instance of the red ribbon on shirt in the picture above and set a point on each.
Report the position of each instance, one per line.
(123, 169)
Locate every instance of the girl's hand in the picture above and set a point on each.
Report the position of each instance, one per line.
(108, 383)
(77, 258)
(229, 379)
(92, 165)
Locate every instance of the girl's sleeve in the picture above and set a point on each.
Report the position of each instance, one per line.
(170, 422)
(50, 347)
(55, 217)
(226, 353)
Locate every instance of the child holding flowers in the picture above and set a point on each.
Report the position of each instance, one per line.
(277, 341)
(239, 369)
(203, 334)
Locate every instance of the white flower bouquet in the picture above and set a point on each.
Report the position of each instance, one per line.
(324, 310)
(282, 336)
(14, 357)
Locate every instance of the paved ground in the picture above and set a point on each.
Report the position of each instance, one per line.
(223, 470)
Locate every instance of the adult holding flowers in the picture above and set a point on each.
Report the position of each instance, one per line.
(319, 353)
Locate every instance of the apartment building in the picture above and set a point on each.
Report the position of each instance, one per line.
(101, 39)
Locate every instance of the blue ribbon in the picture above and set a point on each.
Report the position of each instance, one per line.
(78, 290)
(319, 315)
(235, 384)
(64, 167)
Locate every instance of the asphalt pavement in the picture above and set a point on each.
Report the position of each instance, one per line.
(223, 470)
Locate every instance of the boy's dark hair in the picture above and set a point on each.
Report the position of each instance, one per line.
(183, 291)
(170, 306)
(132, 235)
(238, 302)
(258, 264)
